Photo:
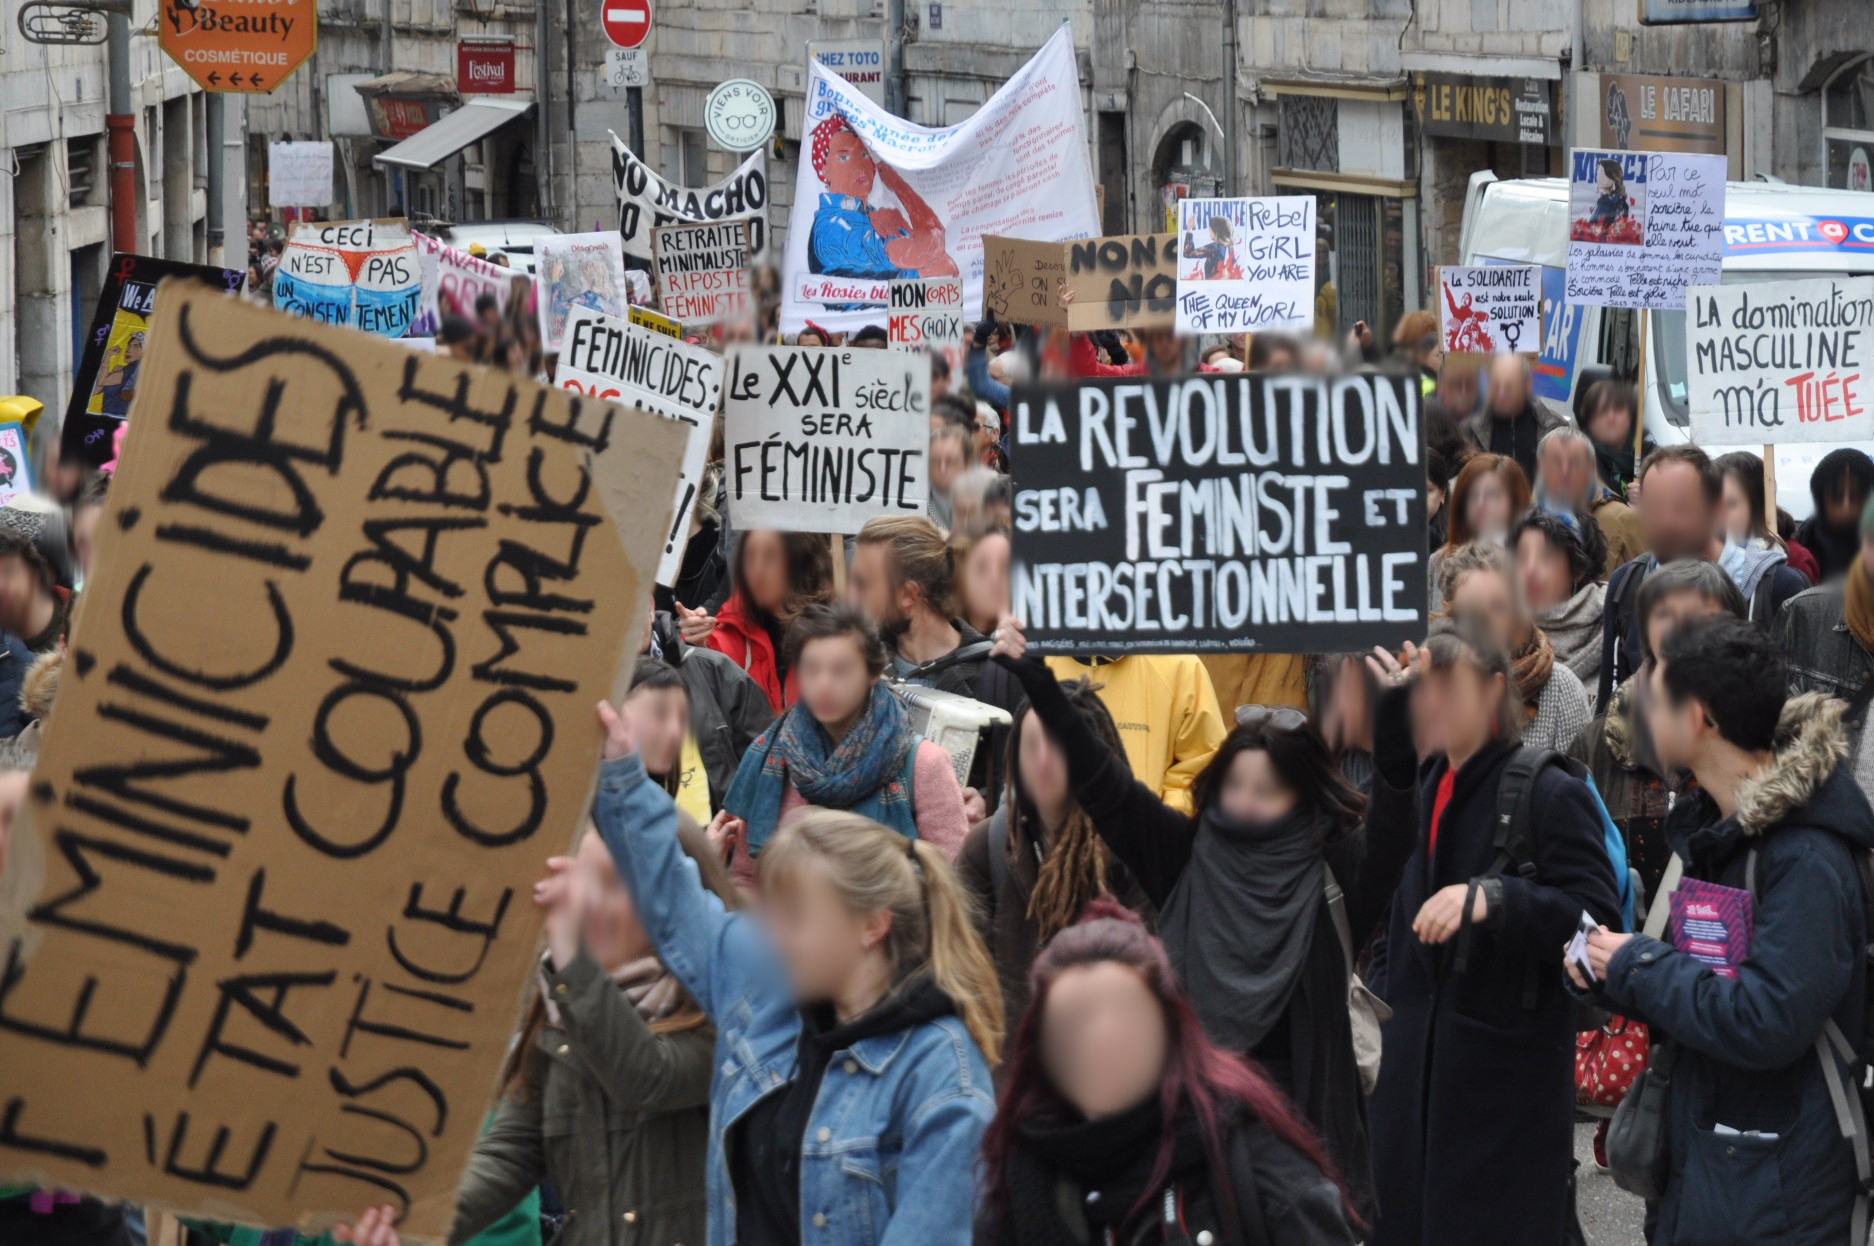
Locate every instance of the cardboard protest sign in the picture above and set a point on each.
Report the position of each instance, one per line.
(1644, 226)
(16, 464)
(1128, 281)
(577, 270)
(702, 271)
(453, 282)
(646, 200)
(878, 199)
(1021, 281)
(364, 274)
(299, 174)
(105, 379)
(645, 318)
(1781, 361)
(604, 357)
(1246, 264)
(265, 923)
(821, 440)
(1219, 514)
(1494, 307)
(928, 315)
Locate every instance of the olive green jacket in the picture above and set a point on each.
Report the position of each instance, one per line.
(618, 1120)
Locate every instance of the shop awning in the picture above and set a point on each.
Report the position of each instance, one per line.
(470, 123)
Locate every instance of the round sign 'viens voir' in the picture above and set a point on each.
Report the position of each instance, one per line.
(739, 115)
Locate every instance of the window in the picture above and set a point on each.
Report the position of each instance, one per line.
(81, 170)
(1848, 127)
(694, 154)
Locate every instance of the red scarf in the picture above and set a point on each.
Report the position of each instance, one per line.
(1441, 800)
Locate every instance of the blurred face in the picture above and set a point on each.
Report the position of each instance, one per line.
(869, 584)
(821, 942)
(1253, 791)
(1677, 517)
(1673, 611)
(1457, 708)
(849, 169)
(84, 535)
(1735, 509)
(1434, 498)
(1568, 470)
(1867, 554)
(986, 579)
(19, 589)
(1457, 389)
(1547, 578)
(1487, 508)
(1103, 1038)
(1164, 348)
(1675, 728)
(988, 429)
(613, 934)
(947, 462)
(1611, 424)
(1509, 388)
(1044, 770)
(1844, 504)
(764, 569)
(834, 681)
(661, 717)
(1490, 597)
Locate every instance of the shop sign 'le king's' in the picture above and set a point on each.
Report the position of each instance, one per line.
(250, 47)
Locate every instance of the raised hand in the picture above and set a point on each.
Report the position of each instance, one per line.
(1399, 671)
(565, 895)
(376, 1227)
(693, 625)
(1010, 642)
(620, 739)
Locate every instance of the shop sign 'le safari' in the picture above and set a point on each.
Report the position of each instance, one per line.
(250, 47)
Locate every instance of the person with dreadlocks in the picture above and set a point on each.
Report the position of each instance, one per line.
(1262, 897)
(850, 237)
(1034, 866)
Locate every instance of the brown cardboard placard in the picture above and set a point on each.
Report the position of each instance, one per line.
(1126, 281)
(1020, 281)
(266, 926)
(702, 271)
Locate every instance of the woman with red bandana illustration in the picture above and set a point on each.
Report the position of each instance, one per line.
(850, 237)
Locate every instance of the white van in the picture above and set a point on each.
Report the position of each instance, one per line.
(1773, 232)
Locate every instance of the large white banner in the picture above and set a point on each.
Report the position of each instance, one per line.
(878, 199)
(646, 200)
(605, 357)
(1781, 361)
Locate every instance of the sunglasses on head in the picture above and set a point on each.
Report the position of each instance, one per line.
(1281, 717)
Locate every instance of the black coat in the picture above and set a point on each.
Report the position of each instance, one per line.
(1747, 1058)
(1472, 1120)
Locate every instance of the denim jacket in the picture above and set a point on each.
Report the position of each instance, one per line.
(889, 1156)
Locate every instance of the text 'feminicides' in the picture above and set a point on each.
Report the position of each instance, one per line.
(1781, 361)
(1246, 264)
(822, 440)
(1274, 513)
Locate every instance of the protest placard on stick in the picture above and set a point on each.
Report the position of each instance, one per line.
(1128, 281)
(702, 271)
(577, 270)
(1781, 362)
(1644, 226)
(1490, 308)
(1281, 514)
(265, 924)
(612, 359)
(1021, 281)
(1246, 265)
(821, 440)
(928, 315)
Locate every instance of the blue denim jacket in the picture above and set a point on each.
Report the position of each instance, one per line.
(889, 1157)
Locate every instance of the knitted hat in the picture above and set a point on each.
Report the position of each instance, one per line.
(45, 530)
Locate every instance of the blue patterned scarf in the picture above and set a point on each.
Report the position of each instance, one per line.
(868, 772)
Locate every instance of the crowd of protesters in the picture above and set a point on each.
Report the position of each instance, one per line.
(1243, 950)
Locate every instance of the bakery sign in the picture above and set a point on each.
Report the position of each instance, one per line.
(1504, 110)
(485, 66)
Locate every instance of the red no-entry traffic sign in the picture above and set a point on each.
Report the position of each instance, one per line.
(627, 22)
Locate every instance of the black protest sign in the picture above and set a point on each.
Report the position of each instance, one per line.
(106, 378)
(1219, 514)
(266, 925)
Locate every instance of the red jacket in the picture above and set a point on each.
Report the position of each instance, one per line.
(740, 635)
(1084, 361)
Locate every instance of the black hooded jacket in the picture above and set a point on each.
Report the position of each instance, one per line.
(1835, 548)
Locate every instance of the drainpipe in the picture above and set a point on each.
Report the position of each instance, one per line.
(217, 173)
(1231, 108)
(122, 125)
(894, 58)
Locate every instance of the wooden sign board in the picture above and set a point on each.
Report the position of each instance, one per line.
(1126, 281)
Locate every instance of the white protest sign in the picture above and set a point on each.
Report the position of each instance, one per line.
(299, 174)
(1781, 361)
(365, 274)
(577, 270)
(1491, 308)
(1245, 264)
(823, 439)
(646, 200)
(1643, 227)
(453, 282)
(928, 315)
(878, 199)
(605, 357)
(702, 271)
